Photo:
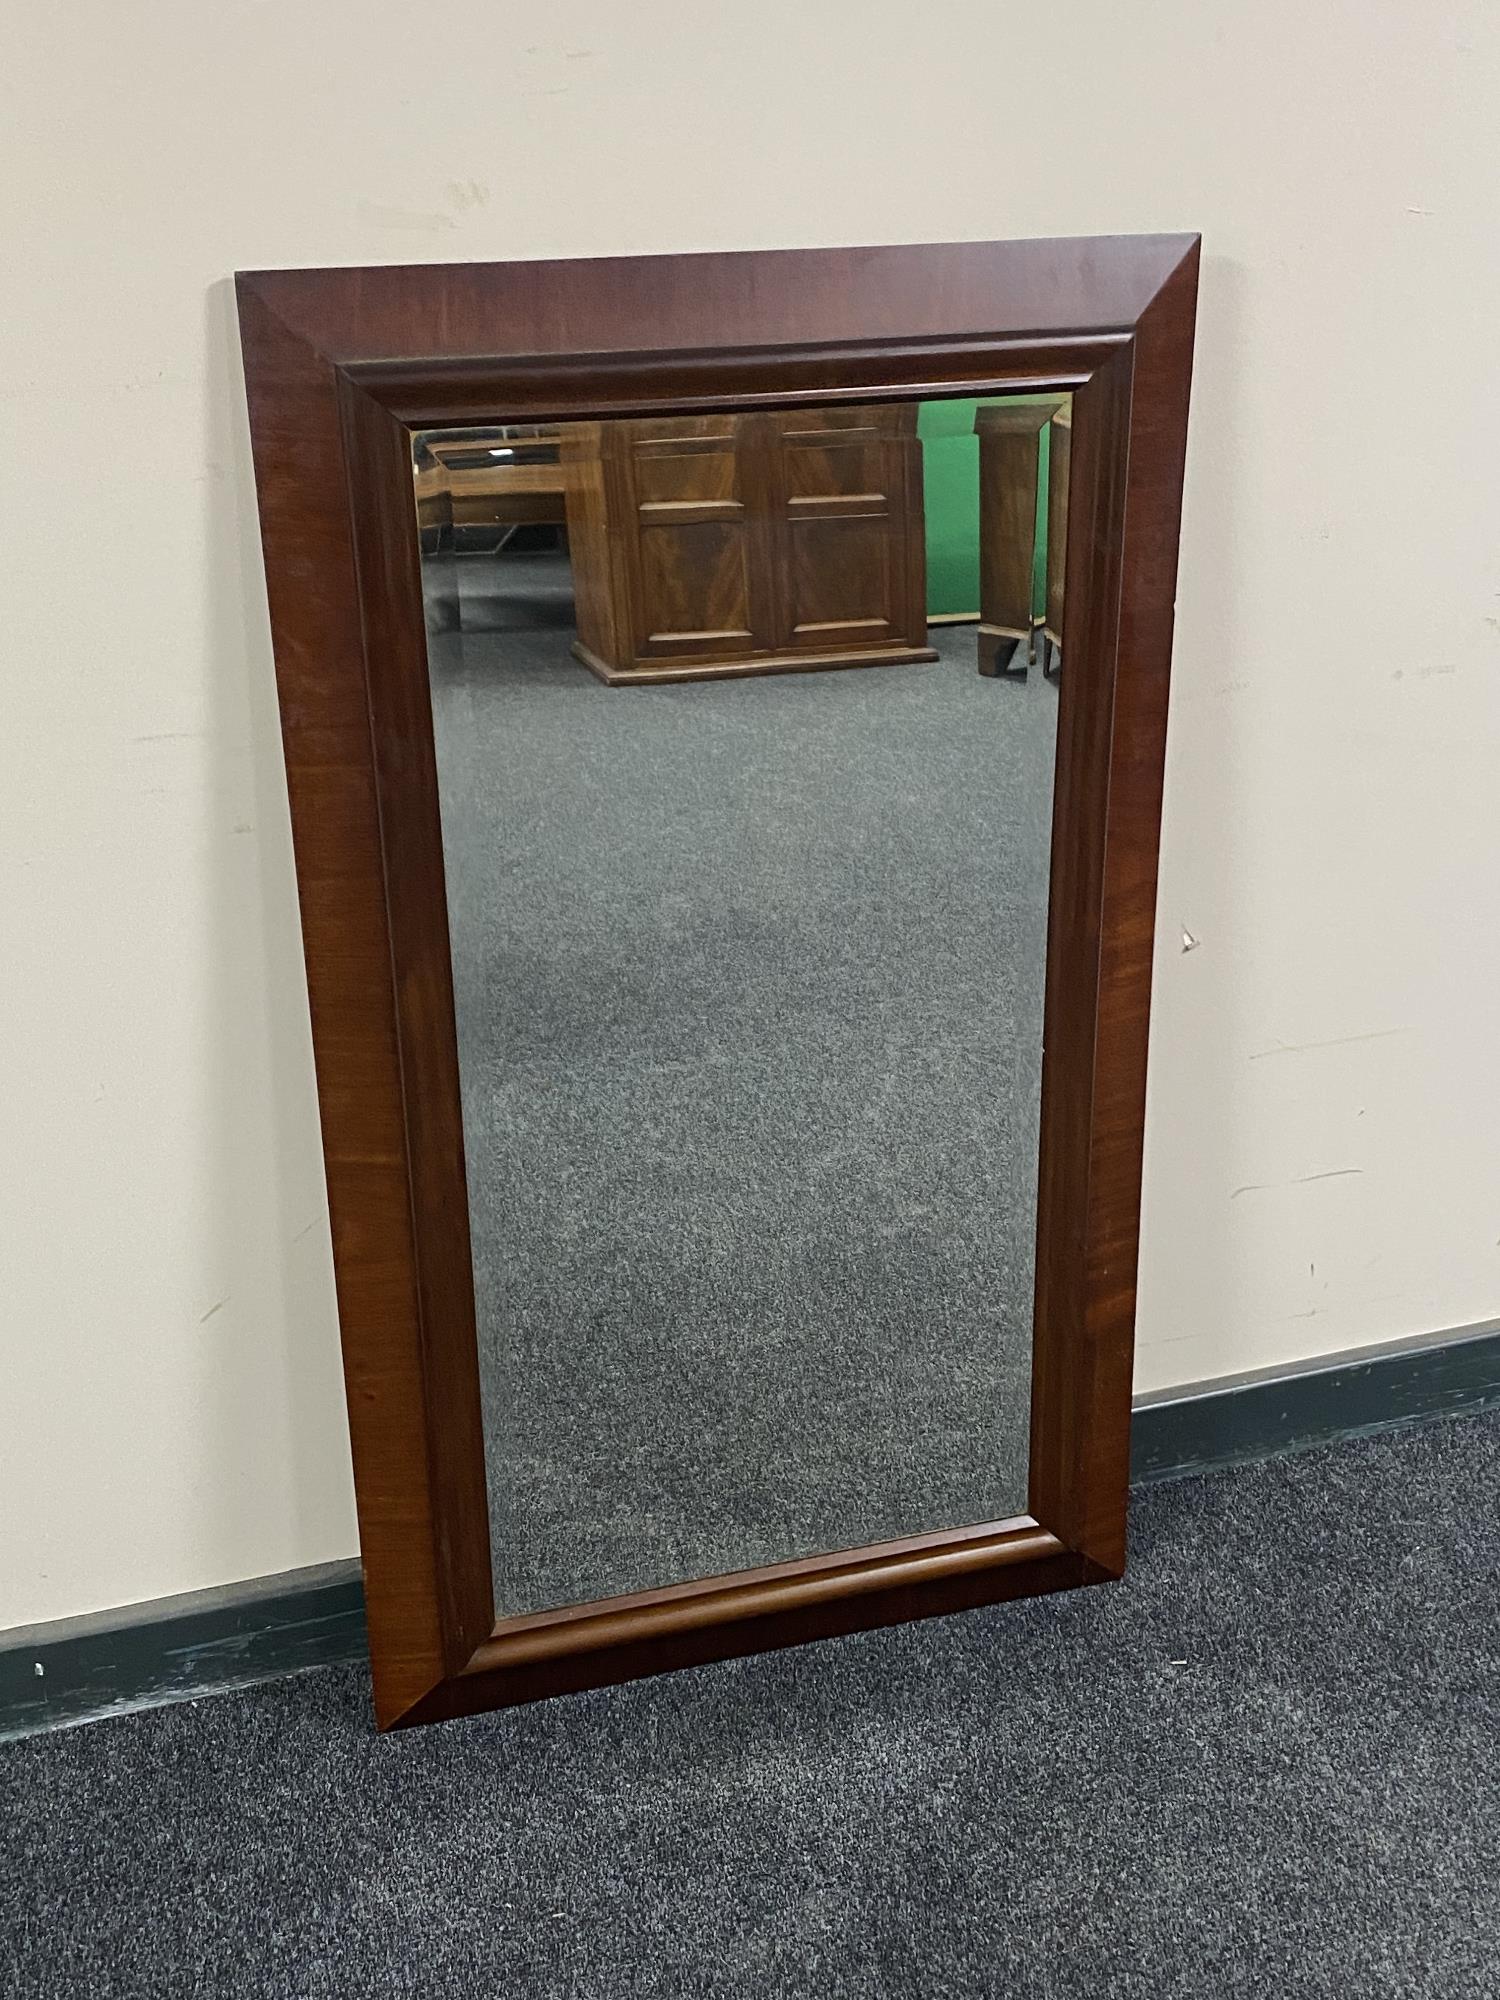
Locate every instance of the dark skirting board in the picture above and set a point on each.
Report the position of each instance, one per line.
(200, 1643)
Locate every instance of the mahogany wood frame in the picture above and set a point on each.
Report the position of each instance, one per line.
(341, 365)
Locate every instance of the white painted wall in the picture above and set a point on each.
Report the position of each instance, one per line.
(1322, 1165)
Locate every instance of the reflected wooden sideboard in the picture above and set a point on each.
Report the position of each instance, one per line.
(743, 544)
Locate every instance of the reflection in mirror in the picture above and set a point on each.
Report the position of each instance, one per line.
(749, 956)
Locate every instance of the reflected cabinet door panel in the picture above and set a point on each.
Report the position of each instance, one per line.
(729, 936)
(848, 495)
(682, 483)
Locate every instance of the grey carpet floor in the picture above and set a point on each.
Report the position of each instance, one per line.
(1264, 1765)
(748, 977)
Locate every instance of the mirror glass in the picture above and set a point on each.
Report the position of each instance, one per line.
(745, 730)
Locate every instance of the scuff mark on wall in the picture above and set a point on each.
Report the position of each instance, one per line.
(1299, 1180)
(1333, 1042)
(381, 217)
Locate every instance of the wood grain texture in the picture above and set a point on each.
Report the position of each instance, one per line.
(338, 364)
(1147, 562)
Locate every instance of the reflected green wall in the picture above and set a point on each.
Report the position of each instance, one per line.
(950, 477)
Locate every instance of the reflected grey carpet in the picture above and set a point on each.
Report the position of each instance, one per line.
(748, 979)
(1264, 1765)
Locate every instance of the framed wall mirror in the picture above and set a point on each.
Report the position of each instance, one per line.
(724, 701)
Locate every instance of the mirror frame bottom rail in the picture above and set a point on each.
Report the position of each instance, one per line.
(341, 366)
(715, 1618)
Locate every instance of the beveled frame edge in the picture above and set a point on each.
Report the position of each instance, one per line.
(330, 442)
